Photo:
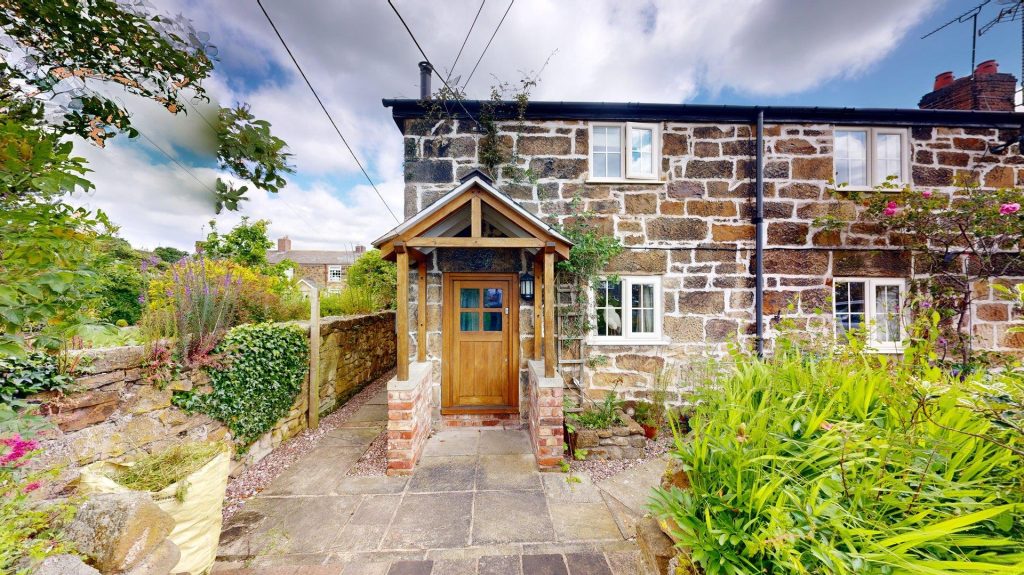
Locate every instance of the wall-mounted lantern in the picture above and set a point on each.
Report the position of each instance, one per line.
(526, 286)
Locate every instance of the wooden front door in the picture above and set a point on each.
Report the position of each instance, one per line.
(480, 341)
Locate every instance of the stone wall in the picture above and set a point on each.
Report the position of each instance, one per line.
(693, 227)
(114, 413)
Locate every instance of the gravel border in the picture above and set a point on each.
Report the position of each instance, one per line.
(256, 478)
(374, 461)
(599, 470)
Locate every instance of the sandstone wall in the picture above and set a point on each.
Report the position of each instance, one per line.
(114, 413)
(694, 228)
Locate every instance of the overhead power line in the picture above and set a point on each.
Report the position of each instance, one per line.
(466, 39)
(478, 60)
(453, 93)
(328, 114)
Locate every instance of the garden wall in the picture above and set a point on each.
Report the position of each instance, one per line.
(114, 413)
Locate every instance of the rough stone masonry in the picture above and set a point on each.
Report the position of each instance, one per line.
(694, 225)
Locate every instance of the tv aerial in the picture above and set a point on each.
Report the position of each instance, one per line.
(972, 16)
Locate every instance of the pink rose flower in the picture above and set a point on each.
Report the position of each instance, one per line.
(1007, 209)
(32, 486)
(891, 206)
(926, 194)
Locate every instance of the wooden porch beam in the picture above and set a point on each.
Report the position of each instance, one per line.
(402, 307)
(475, 218)
(538, 308)
(549, 313)
(421, 311)
(475, 242)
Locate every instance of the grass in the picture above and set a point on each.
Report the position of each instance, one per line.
(158, 470)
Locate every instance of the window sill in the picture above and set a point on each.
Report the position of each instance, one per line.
(868, 189)
(597, 342)
(599, 181)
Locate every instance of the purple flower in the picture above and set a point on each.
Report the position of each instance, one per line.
(142, 298)
(926, 304)
(1007, 209)
(942, 341)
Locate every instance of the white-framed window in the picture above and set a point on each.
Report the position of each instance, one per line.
(871, 304)
(867, 157)
(335, 273)
(627, 309)
(624, 151)
(333, 291)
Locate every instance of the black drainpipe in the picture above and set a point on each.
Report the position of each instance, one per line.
(759, 238)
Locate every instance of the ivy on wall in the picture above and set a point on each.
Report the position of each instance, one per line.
(262, 373)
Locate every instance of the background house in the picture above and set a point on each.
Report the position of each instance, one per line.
(324, 268)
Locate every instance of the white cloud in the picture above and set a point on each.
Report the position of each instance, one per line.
(356, 52)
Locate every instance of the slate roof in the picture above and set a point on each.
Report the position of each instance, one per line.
(314, 257)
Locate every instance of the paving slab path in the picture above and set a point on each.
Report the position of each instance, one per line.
(475, 505)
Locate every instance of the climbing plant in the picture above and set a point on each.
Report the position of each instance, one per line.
(257, 383)
(960, 239)
(591, 252)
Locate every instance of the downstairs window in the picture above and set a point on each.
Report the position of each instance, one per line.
(873, 304)
(628, 309)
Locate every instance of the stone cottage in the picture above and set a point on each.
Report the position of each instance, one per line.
(325, 269)
(694, 192)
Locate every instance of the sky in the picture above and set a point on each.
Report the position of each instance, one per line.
(864, 53)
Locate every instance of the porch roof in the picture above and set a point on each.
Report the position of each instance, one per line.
(470, 203)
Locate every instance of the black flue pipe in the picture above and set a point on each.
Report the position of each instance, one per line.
(425, 70)
(759, 238)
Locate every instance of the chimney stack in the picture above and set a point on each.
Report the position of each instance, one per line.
(284, 244)
(425, 70)
(360, 249)
(985, 90)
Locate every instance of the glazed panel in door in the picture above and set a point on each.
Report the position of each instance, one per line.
(480, 343)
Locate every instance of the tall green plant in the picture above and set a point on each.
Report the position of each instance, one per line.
(846, 462)
(375, 276)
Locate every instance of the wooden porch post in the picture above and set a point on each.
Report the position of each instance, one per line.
(402, 306)
(549, 312)
(538, 309)
(421, 312)
(313, 397)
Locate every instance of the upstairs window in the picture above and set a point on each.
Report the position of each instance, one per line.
(870, 304)
(867, 157)
(624, 151)
(628, 309)
(335, 273)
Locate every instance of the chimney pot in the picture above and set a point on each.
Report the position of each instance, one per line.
(284, 244)
(942, 80)
(987, 67)
(425, 70)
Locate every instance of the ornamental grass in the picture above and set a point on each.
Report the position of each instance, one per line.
(845, 461)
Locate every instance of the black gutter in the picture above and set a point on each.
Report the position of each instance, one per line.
(759, 239)
(404, 109)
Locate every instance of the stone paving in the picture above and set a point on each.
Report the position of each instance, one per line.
(475, 505)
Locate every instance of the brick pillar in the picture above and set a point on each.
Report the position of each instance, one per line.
(546, 417)
(408, 418)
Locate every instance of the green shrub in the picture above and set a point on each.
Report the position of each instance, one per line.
(599, 415)
(352, 300)
(846, 462)
(377, 276)
(262, 372)
(33, 373)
